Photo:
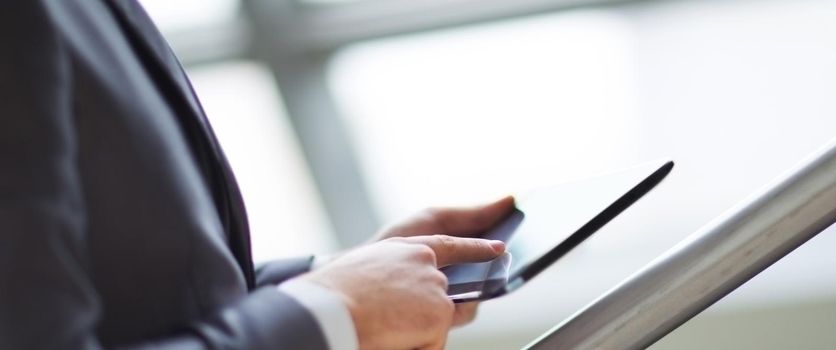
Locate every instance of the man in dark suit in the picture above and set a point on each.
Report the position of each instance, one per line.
(121, 224)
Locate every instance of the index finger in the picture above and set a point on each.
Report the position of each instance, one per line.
(457, 250)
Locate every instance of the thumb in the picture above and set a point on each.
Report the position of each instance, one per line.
(457, 250)
(467, 221)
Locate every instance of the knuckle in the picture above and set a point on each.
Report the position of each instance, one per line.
(480, 245)
(474, 244)
(424, 253)
(439, 278)
(445, 242)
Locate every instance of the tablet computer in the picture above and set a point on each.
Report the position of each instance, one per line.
(548, 223)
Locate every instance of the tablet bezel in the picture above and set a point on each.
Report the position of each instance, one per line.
(537, 266)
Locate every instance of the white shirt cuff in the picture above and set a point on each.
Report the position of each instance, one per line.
(329, 311)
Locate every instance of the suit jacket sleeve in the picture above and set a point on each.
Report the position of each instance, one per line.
(47, 298)
(280, 270)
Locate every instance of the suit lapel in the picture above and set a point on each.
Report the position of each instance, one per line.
(171, 79)
(137, 21)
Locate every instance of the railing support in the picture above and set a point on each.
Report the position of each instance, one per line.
(707, 265)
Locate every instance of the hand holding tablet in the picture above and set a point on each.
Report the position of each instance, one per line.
(547, 224)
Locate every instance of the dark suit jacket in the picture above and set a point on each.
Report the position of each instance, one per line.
(120, 221)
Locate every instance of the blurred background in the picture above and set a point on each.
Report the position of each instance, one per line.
(339, 116)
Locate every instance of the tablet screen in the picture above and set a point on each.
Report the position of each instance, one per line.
(547, 224)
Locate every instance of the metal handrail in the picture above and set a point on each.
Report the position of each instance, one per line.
(707, 265)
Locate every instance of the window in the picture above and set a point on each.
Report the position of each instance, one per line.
(245, 109)
(468, 114)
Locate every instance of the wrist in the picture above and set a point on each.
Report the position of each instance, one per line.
(329, 309)
(353, 307)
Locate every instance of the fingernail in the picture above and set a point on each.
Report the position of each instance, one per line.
(498, 246)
